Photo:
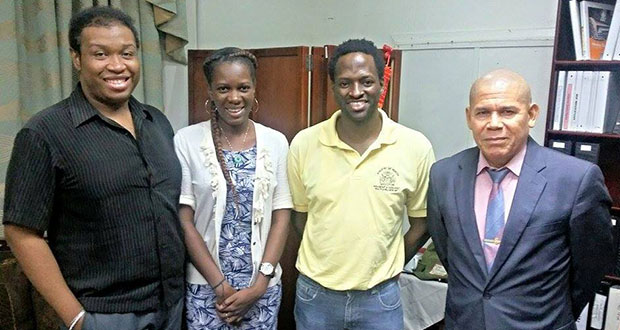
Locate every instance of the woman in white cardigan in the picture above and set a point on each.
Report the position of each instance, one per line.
(235, 203)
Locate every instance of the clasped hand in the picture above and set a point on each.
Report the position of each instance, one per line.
(232, 305)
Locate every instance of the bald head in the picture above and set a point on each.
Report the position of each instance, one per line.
(501, 80)
(500, 115)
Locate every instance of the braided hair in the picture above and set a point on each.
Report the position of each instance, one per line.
(228, 55)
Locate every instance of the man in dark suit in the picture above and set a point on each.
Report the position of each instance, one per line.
(523, 231)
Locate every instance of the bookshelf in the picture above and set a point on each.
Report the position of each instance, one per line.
(564, 60)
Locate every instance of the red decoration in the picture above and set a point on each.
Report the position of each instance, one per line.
(387, 73)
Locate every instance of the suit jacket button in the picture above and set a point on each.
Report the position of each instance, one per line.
(487, 296)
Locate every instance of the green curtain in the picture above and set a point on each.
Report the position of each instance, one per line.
(36, 70)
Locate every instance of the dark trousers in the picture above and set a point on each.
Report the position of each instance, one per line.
(164, 319)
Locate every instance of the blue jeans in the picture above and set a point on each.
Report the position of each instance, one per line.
(317, 307)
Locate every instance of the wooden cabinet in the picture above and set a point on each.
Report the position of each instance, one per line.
(294, 91)
(564, 60)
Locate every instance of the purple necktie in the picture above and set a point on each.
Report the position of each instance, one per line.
(494, 227)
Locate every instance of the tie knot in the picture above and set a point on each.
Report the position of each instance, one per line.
(497, 175)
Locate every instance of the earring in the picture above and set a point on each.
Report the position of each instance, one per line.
(257, 106)
(214, 106)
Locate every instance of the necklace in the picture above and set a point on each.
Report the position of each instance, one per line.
(237, 159)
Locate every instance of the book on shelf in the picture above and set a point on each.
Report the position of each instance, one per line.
(559, 101)
(582, 321)
(613, 35)
(612, 109)
(590, 112)
(612, 320)
(569, 98)
(595, 20)
(616, 55)
(575, 28)
(607, 105)
(575, 103)
(598, 112)
(585, 103)
(597, 313)
(590, 102)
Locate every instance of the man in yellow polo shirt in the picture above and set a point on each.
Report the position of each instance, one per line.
(352, 178)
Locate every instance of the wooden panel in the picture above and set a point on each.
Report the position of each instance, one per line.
(281, 88)
(323, 103)
(587, 65)
(392, 100)
(197, 86)
(320, 87)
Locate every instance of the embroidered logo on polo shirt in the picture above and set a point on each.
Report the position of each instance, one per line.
(387, 180)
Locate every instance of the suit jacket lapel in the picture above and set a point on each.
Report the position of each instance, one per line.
(465, 205)
(529, 188)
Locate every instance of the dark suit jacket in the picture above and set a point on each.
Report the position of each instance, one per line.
(556, 247)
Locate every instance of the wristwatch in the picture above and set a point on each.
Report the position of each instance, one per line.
(267, 269)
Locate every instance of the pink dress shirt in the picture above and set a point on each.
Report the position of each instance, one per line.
(484, 184)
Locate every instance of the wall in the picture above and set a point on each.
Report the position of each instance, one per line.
(438, 91)
(175, 76)
(435, 80)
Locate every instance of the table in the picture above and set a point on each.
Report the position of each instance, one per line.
(424, 302)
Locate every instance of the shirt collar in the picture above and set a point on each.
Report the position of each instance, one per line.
(82, 110)
(514, 165)
(329, 135)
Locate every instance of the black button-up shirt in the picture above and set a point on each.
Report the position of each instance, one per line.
(107, 200)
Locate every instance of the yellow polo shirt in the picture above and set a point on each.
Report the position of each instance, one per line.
(356, 203)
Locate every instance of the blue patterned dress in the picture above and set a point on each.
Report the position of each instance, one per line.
(235, 256)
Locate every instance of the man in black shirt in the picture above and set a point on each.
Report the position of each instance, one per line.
(98, 172)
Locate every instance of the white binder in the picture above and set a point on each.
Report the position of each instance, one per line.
(559, 101)
(612, 36)
(576, 28)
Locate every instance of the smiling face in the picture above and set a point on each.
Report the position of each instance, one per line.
(357, 87)
(232, 89)
(500, 116)
(108, 65)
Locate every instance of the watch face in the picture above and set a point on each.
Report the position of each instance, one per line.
(266, 268)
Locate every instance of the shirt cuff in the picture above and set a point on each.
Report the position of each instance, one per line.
(416, 213)
(282, 203)
(188, 200)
